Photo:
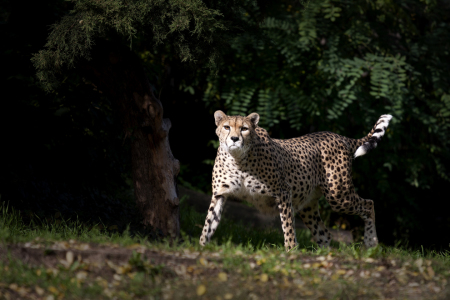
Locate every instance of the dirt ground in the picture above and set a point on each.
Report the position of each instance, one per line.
(111, 271)
(189, 274)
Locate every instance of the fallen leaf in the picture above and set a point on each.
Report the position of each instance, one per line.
(117, 277)
(223, 276)
(349, 273)
(251, 296)
(108, 292)
(264, 277)
(316, 265)
(364, 274)
(430, 272)
(69, 257)
(62, 245)
(228, 296)
(321, 258)
(341, 272)
(52, 290)
(201, 290)
(40, 291)
(82, 275)
(124, 269)
(102, 282)
(419, 263)
(285, 283)
(82, 247)
(203, 261)
(111, 265)
(180, 270)
(335, 277)
(22, 291)
(52, 271)
(261, 261)
(402, 279)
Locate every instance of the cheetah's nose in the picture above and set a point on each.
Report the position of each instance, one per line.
(234, 138)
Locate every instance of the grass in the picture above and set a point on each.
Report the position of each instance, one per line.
(72, 260)
(14, 230)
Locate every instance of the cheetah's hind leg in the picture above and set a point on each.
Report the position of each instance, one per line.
(367, 213)
(355, 205)
(212, 218)
(311, 218)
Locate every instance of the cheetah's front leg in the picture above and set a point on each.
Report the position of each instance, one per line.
(212, 218)
(284, 203)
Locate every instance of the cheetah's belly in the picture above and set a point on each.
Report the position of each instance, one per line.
(256, 193)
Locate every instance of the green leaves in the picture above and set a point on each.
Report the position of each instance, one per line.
(331, 12)
(195, 30)
(241, 101)
(339, 65)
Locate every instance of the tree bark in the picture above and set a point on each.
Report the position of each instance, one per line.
(119, 73)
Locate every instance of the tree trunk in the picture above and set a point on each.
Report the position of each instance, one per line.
(118, 73)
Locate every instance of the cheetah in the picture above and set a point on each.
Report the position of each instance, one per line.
(289, 176)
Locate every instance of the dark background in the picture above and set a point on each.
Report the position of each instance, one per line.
(64, 152)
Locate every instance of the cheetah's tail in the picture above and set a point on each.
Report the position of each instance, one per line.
(374, 137)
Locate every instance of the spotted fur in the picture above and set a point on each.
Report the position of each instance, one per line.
(286, 177)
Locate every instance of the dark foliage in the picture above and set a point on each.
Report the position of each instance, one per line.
(305, 67)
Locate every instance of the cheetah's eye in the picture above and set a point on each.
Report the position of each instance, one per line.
(226, 127)
(244, 129)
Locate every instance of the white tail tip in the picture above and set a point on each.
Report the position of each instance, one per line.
(360, 151)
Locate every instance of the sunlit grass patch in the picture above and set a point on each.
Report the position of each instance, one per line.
(86, 262)
(235, 232)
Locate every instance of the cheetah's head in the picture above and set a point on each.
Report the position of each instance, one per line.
(236, 134)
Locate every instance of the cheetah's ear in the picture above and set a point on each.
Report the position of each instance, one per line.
(219, 115)
(254, 118)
